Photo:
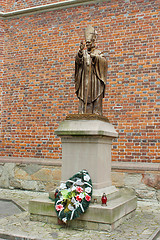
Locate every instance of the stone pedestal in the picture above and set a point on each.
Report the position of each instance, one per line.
(86, 144)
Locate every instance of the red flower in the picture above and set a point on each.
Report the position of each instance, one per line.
(78, 198)
(79, 189)
(59, 207)
(88, 198)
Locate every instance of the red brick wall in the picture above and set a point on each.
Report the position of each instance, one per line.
(2, 5)
(1, 68)
(38, 80)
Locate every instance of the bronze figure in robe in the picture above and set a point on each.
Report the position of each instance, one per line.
(90, 75)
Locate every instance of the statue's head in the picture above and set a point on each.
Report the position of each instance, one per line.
(90, 36)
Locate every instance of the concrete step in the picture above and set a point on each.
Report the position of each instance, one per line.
(113, 214)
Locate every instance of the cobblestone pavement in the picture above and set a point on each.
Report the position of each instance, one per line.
(145, 222)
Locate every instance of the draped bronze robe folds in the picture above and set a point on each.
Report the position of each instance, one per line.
(90, 80)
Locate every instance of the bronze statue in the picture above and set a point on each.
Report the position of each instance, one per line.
(90, 75)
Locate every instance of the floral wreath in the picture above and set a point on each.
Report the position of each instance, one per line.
(74, 196)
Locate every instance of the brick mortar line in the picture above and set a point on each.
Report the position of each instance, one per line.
(48, 7)
(52, 162)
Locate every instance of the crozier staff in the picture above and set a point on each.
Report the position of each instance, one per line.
(90, 75)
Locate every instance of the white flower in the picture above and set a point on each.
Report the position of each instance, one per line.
(81, 195)
(86, 178)
(70, 207)
(63, 186)
(73, 188)
(88, 189)
(69, 190)
(73, 200)
(64, 220)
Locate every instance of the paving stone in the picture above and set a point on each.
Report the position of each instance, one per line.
(8, 208)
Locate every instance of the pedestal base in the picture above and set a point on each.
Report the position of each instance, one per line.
(97, 217)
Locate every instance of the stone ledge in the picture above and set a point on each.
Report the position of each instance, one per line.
(135, 166)
(38, 161)
(131, 166)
